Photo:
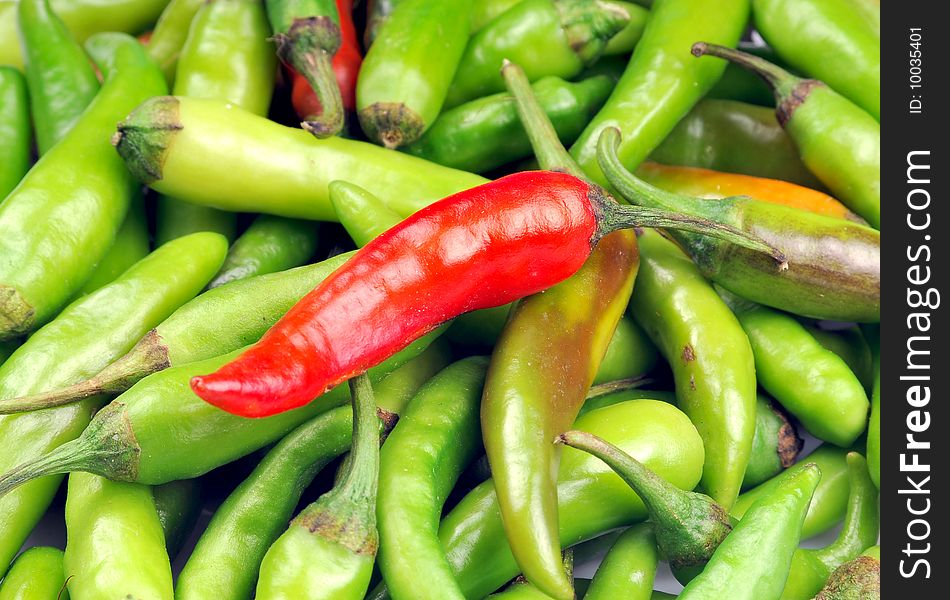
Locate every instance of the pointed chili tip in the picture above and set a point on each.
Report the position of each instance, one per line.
(699, 48)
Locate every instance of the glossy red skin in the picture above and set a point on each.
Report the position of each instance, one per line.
(346, 66)
(480, 248)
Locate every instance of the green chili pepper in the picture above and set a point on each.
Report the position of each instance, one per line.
(484, 134)
(592, 499)
(798, 31)
(269, 245)
(115, 547)
(625, 40)
(159, 431)
(812, 383)
(872, 334)
(730, 136)
(83, 18)
(131, 245)
(775, 445)
(420, 462)
(15, 130)
(830, 501)
(307, 33)
(61, 79)
(329, 549)
(178, 504)
(739, 84)
(256, 513)
(660, 83)
(64, 215)
(630, 353)
(629, 568)
(771, 529)
(216, 322)
(407, 71)
(857, 579)
(90, 333)
(543, 37)
(850, 345)
(37, 574)
(363, 215)
(839, 142)
(191, 161)
(542, 366)
(811, 568)
(170, 33)
(689, 526)
(712, 361)
(228, 57)
(520, 589)
(831, 267)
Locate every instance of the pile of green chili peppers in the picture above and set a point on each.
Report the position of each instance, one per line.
(651, 408)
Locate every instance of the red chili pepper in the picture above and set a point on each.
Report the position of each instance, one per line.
(480, 248)
(346, 66)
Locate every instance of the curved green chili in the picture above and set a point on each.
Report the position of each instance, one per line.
(131, 245)
(269, 245)
(711, 358)
(629, 567)
(362, 214)
(170, 33)
(848, 343)
(329, 549)
(115, 547)
(257, 511)
(407, 71)
(486, 133)
(65, 213)
(228, 57)
(178, 504)
(540, 372)
(592, 499)
(37, 574)
(179, 146)
(801, 31)
(60, 76)
(543, 37)
(15, 131)
(771, 528)
(811, 568)
(91, 332)
(83, 18)
(735, 137)
(420, 462)
(660, 83)
(839, 142)
(811, 382)
(830, 500)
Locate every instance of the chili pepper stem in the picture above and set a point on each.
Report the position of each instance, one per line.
(347, 513)
(107, 447)
(689, 526)
(309, 46)
(547, 147)
(589, 26)
(790, 91)
(148, 356)
(640, 192)
(610, 215)
(143, 138)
